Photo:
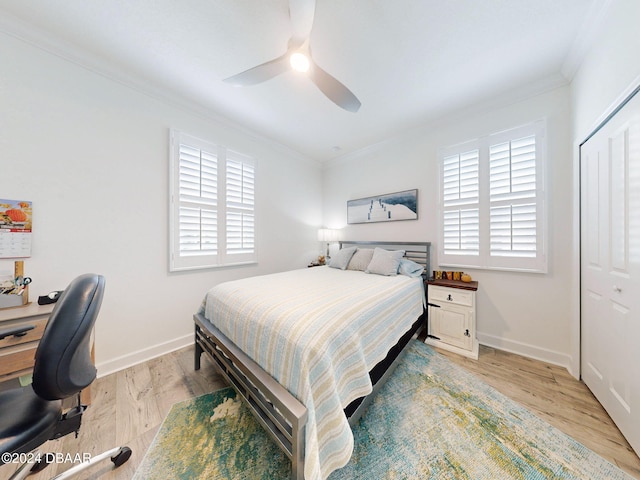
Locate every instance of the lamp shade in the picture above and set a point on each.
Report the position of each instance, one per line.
(327, 235)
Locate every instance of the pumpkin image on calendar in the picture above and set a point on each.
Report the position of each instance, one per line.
(15, 214)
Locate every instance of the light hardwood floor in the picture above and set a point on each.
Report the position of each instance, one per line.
(129, 406)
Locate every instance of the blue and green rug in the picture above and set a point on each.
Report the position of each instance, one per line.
(432, 420)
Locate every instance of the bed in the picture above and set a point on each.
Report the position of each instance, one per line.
(308, 349)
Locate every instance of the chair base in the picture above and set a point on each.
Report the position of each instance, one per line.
(118, 456)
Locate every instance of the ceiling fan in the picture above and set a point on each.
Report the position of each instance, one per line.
(298, 58)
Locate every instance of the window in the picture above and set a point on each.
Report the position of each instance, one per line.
(492, 212)
(212, 205)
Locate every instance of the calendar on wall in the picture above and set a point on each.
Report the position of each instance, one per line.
(15, 228)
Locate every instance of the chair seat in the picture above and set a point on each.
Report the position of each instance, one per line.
(31, 421)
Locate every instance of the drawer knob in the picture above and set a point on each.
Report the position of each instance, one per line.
(449, 298)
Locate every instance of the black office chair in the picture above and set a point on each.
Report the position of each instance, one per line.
(30, 416)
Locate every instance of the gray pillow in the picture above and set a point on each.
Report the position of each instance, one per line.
(361, 259)
(385, 262)
(341, 259)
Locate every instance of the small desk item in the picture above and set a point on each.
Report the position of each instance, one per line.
(452, 316)
(19, 290)
(50, 298)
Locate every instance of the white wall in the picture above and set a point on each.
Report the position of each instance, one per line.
(611, 66)
(525, 313)
(92, 156)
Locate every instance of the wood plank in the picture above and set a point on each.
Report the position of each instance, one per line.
(136, 407)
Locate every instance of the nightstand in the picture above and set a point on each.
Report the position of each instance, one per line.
(452, 316)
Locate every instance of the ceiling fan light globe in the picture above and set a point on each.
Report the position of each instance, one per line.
(299, 62)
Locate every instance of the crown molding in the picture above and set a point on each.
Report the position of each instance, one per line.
(15, 27)
(510, 97)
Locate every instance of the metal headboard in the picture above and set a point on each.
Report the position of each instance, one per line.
(419, 252)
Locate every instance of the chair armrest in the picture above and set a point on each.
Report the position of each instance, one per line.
(15, 331)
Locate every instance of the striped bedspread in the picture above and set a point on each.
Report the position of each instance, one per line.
(318, 331)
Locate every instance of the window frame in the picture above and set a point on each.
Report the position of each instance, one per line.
(484, 258)
(222, 257)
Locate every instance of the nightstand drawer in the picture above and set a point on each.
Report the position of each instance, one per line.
(450, 295)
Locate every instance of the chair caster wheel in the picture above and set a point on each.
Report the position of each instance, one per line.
(121, 457)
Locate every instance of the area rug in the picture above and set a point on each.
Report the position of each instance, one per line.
(432, 420)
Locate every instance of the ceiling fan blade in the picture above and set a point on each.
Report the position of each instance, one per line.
(333, 89)
(301, 13)
(262, 72)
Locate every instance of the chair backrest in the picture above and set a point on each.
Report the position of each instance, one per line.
(63, 364)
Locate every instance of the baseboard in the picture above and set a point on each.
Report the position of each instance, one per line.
(473, 353)
(125, 361)
(526, 350)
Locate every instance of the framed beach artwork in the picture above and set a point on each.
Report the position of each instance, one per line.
(384, 208)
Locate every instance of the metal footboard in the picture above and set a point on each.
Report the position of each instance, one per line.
(279, 412)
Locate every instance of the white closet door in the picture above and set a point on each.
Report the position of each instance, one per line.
(610, 268)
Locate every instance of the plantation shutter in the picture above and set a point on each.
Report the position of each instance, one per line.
(212, 205)
(512, 185)
(460, 188)
(198, 187)
(240, 189)
(492, 202)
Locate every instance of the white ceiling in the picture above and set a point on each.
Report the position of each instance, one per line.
(409, 62)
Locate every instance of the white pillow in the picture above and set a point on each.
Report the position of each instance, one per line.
(341, 259)
(361, 259)
(385, 262)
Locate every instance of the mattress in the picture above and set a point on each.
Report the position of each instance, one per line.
(318, 331)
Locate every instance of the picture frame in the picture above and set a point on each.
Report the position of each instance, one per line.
(389, 207)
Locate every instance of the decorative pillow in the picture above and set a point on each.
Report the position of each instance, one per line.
(410, 268)
(385, 262)
(361, 259)
(341, 259)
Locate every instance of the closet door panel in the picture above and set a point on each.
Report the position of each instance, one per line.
(610, 267)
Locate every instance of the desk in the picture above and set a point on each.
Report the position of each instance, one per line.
(17, 354)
